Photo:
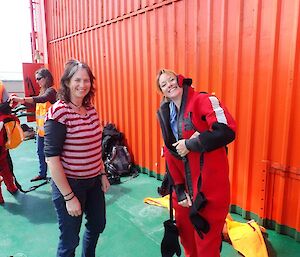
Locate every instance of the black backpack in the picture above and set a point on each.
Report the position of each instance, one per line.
(116, 157)
(111, 137)
(119, 161)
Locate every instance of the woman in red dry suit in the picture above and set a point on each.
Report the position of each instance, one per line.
(196, 128)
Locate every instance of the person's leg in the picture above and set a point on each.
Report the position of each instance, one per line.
(96, 218)
(210, 245)
(41, 155)
(10, 163)
(7, 175)
(69, 226)
(185, 229)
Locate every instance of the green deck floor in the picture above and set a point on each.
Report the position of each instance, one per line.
(134, 229)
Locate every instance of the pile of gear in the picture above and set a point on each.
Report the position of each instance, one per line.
(117, 159)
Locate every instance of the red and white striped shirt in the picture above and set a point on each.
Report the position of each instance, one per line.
(82, 151)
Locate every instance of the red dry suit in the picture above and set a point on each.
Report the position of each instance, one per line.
(207, 165)
(5, 165)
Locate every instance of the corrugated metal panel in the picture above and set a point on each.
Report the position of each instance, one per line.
(247, 52)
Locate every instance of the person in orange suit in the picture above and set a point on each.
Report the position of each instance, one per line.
(196, 128)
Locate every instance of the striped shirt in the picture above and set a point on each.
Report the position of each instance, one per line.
(82, 151)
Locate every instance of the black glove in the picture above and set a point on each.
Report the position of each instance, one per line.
(170, 243)
(200, 224)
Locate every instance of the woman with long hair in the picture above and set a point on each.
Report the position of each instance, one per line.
(73, 148)
(42, 102)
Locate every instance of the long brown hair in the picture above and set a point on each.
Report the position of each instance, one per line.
(46, 74)
(71, 67)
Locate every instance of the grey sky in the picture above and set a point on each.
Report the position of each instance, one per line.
(15, 27)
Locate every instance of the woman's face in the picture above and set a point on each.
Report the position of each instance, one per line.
(40, 80)
(80, 84)
(169, 86)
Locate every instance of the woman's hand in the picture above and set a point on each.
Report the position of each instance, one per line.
(58, 176)
(186, 202)
(74, 207)
(14, 98)
(181, 147)
(195, 134)
(105, 185)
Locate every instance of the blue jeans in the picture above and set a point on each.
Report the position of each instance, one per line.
(41, 155)
(91, 197)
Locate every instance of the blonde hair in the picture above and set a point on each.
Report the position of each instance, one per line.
(160, 72)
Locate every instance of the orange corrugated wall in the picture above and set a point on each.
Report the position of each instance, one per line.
(247, 52)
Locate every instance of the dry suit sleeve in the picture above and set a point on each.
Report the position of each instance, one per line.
(210, 140)
(220, 123)
(55, 134)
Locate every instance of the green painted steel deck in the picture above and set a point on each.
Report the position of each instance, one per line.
(28, 224)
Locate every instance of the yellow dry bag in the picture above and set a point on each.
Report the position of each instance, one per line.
(14, 133)
(247, 238)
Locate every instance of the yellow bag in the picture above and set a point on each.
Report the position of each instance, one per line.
(247, 238)
(159, 201)
(14, 133)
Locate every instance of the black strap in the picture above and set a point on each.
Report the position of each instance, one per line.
(170, 186)
(188, 177)
(32, 188)
(171, 203)
(10, 164)
(199, 183)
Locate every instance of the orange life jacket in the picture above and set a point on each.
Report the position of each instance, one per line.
(40, 113)
(1, 91)
(13, 130)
